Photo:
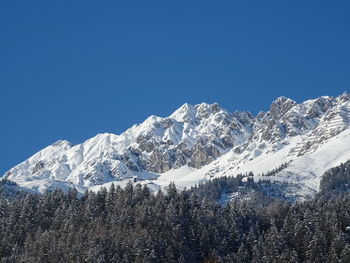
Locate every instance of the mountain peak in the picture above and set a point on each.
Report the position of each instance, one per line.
(185, 113)
(188, 112)
(344, 97)
(280, 106)
(61, 143)
(282, 100)
(214, 107)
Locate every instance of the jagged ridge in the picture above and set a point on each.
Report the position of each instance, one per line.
(193, 137)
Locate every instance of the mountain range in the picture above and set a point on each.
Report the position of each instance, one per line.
(291, 142)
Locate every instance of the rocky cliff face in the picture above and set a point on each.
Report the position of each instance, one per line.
(192, 136)
(316, 120)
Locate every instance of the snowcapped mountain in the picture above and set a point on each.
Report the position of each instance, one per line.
(195, 143)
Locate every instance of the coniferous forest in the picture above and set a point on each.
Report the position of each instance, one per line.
(135, 225)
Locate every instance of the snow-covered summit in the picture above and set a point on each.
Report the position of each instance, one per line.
(186, 113)
(202, 141)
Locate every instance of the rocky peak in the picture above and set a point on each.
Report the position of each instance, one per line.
(280, 106)
(344, 97)
(190, 114)
(62, 143)
(204, 110)
(319, 106)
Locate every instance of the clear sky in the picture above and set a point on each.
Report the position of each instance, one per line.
(72, 69)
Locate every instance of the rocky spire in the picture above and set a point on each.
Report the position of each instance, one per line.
(280, 106)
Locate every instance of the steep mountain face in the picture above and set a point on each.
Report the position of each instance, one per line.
(192, 135)
(196, 143)
(316, 120)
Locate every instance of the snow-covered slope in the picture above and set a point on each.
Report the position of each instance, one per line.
(196, 143)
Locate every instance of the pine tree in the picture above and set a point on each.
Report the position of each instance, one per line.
(242, 254)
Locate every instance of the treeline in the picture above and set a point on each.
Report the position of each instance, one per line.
(9, 190)
(244, 186)
(133, 225)
(276, 170)
(213, 189)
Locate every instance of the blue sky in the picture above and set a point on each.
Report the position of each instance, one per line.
(72, 69)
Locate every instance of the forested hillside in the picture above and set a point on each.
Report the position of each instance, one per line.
(336, 180)
(133, 225)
